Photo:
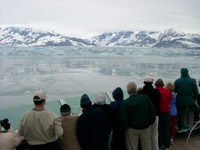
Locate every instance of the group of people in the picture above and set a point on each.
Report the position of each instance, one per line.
(145, 120)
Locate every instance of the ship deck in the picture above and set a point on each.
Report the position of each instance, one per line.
(180, 141)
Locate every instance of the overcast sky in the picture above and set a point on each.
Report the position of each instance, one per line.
(86, 18)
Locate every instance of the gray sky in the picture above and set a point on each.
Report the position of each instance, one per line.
(86, 18)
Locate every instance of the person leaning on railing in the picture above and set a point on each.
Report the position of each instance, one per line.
(9, 139)
(40, 127)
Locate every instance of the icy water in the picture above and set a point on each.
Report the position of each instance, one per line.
(68, 72)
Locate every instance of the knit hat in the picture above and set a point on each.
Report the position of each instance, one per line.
(148, 79)
(159, 82)
(100, 99)
(65, 110)
(85, 101)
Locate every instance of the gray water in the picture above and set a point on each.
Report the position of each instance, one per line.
(68, 72)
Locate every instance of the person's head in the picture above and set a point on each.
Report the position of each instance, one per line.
(65, 110)
(159, 83)
(85, 101)
(118, 94)
(148, 80)
(184, 72)
(131, 88)
(100, 99)
(170, 86)
(39, 97)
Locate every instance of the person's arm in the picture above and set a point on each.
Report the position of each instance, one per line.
(123, 114)
(57, 127)
(20, 129)
(16, 139)
(152, 112)
(80, 131)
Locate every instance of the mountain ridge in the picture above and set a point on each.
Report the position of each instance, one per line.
(169, 38)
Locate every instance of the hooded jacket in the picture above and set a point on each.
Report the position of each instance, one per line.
(186, 89)
(118, 96)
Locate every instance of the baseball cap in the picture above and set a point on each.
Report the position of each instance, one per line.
(148, 79)
(41, 94)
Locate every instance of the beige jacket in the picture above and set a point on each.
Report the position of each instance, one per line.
(40, 127)
(69, 139)
(9, 140)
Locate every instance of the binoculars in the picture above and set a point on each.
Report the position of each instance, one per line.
(4, 121)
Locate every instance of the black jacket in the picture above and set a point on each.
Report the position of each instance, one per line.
(93, 128)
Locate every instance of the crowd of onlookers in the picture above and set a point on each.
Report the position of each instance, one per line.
(146, 120)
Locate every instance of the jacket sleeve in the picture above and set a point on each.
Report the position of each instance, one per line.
(80, 132)
(195, 91)
(20, 128)
(123, 113)
(57, 127)
(152, 113)
(16, 139)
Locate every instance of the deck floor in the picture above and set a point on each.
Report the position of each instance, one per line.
(193, 143)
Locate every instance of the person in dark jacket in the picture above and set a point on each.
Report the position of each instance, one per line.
(100, 102)
(198, 98)
(93, 127)
(137, 113)
(118, 139)
(154, 96)
(187, 93)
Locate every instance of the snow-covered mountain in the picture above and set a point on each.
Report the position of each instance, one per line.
(18, 36)
(167, 39)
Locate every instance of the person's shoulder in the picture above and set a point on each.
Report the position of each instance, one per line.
(50, 112)
(26, 113)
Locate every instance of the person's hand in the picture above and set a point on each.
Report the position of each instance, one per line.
(6, 126)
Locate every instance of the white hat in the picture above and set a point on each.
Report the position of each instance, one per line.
(148, 79)
(100, 99)
(41, 94)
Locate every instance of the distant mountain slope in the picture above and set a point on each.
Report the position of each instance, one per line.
(167, 39)
(18, 36)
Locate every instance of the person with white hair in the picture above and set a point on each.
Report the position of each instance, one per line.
(100, 102)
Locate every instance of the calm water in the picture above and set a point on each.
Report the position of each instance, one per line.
(67, 73)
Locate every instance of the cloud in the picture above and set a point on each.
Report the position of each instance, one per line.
(81, 18)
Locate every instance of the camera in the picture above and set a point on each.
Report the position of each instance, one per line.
(4, 121)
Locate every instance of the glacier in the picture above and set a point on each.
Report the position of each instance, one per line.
(71, 71)
(68, 72)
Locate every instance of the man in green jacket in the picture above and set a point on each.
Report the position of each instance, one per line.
(187, 93)
(137, 113)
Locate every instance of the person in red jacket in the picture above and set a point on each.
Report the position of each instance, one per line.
(164, 116)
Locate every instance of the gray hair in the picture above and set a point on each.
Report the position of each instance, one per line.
(131, 88)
